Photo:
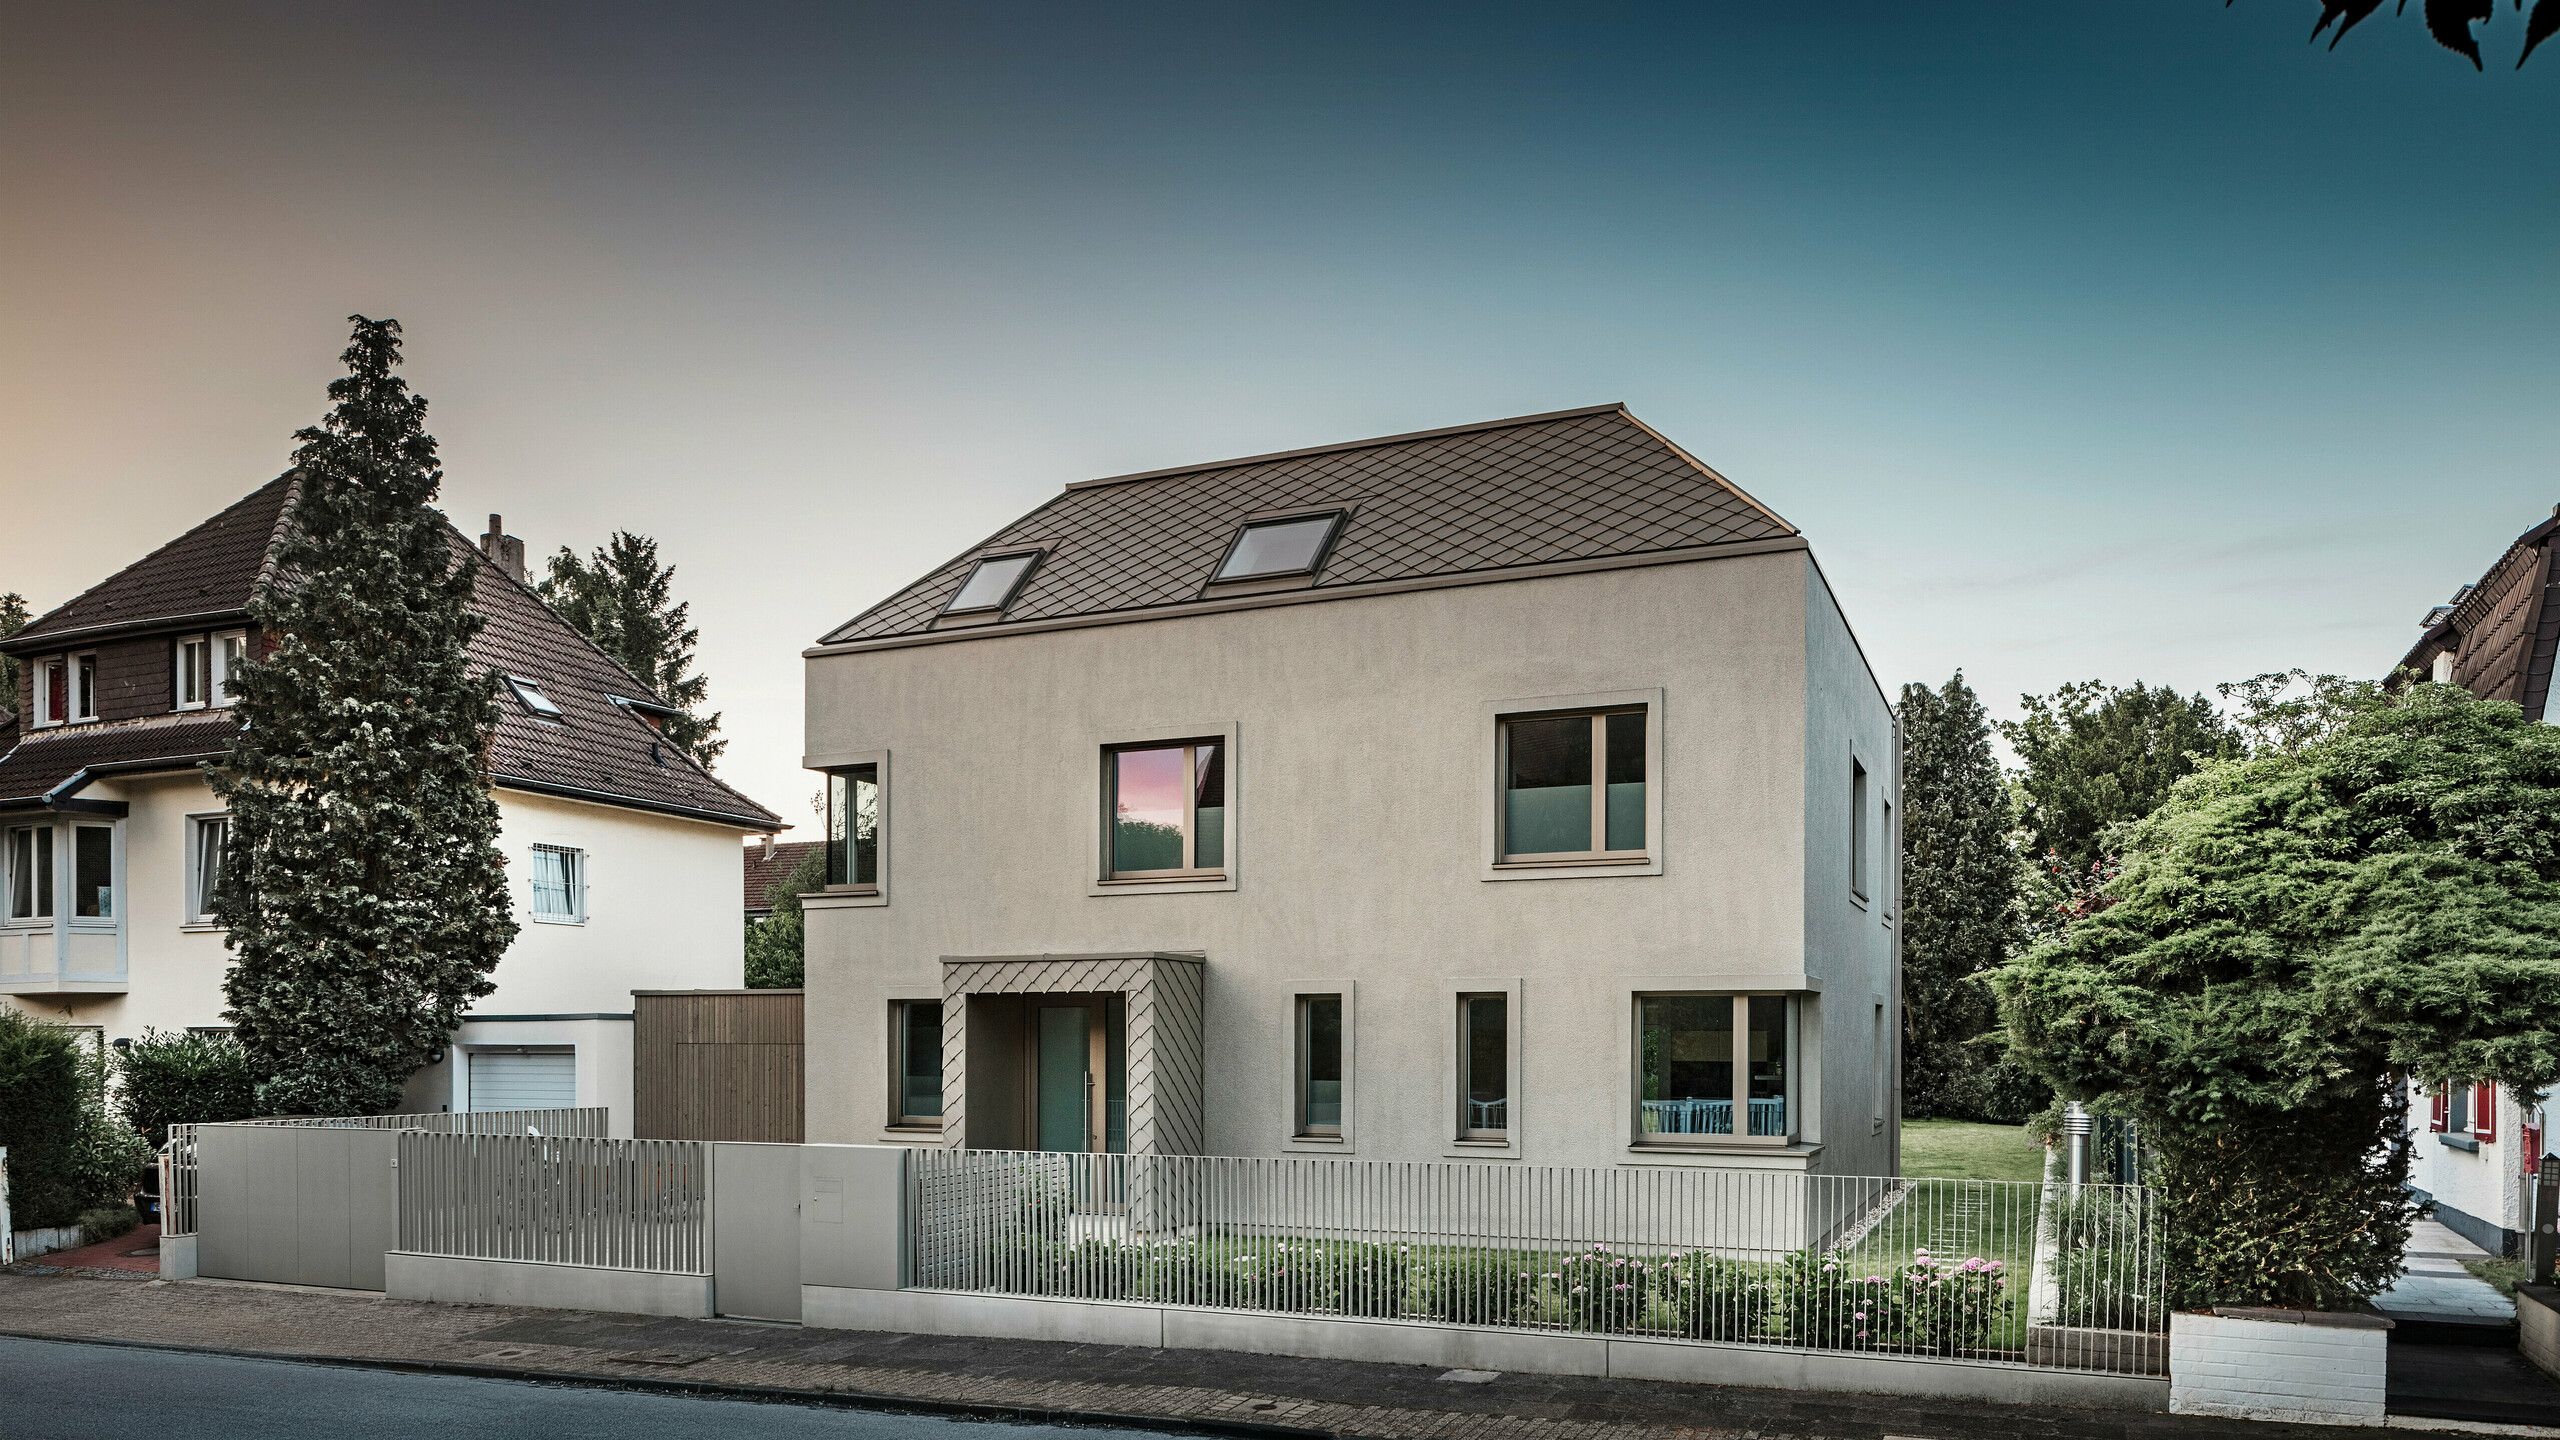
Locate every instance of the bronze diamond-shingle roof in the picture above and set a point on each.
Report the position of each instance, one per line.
(1577, 485)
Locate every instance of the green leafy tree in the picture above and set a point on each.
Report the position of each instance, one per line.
(2449, 21)
(66, 1153)
(1959, 891)
(620, 597)
(362, 886)
(13, 618)
(2092, 755)
(776, 945)
(2296, 936)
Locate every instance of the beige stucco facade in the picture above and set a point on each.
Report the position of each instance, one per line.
(661, 912)
(1359, 786)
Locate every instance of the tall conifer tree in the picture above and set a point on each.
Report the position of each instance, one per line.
(363, 887)
(619, 597)
(1959, 886)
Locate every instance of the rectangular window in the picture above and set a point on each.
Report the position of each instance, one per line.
(1168, 811)
(1702, 1060)
(991, 584)
(30, 860)
(1279, 547)
(1319, 1065)
(1892, 875)
(559, 884)
(93, 872)
(52, 691)
(194, 686)
(228, 652)
(1573, 787)
(1857, 829)
(853, 826)
(1484, 1066)
(1882, 1063)
(918, 1047)
(204, 878)
(84, 687)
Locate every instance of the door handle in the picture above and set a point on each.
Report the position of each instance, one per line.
(1088, 1112)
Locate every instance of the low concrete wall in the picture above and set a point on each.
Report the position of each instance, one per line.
(1414, 1342)
(177, 1257)
(2538, 1326)
(28, 1244)
(457, 1281)
(2296, 1365)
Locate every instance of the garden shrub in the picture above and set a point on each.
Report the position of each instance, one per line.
(1929, 1306)
(66, 1153)
(1484, 1287)
(1712, 1299)
(1595, 1289)
(2105, 1262)
(183, 1078)
(106, 1222)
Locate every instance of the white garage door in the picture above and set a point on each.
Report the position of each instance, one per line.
(524, 1079)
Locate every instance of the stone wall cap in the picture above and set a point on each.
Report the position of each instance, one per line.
(2547, 1296)
(2335, 1319)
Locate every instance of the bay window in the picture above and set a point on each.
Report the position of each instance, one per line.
(1706, 1062)
(29, 858)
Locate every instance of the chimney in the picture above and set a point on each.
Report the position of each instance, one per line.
(764, 847)
(504, 550)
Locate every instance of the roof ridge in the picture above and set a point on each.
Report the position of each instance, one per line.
(33, 628)
(1410, 435)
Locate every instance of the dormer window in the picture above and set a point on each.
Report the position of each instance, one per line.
(1295, 546)
(529, 694)
(205, 666)
(992, 584)
(66, 688)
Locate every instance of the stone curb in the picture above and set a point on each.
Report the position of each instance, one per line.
(715, 1390)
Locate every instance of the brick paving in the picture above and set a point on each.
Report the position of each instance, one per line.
(1026, 1379)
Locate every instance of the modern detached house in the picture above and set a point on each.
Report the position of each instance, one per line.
(1511, 792)
(623, 853)
(2495, 638)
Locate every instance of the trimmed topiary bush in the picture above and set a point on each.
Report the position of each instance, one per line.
(166, 1079)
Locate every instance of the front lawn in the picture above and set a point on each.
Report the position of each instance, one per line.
(1964, 1150)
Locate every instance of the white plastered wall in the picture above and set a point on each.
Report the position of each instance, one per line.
(1361, 783)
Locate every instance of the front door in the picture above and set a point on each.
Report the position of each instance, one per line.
(1064, 1073)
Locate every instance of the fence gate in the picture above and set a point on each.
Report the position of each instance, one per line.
(755, 1230)
(296, 1205)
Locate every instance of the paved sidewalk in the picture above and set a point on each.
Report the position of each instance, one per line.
(137, 1250)
(1020, 1379)
(2434, 1286)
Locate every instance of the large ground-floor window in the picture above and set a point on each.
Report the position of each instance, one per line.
(1715, 1069)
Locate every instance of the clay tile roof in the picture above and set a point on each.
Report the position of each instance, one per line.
(599, 750)
(764, 871)
(209, 571)
(1576, 485)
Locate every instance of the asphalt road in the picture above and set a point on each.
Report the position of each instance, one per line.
(64, 1391)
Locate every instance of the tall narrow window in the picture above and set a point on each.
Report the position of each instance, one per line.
(853, 826)
(919, 1065)
(30, 861)
(559, 884)
(1704, 1060)
(84, 687)
(1484, 1066)
(1891, 879)
(204, 880)
(93, 872)
(53, 691)
(1880, 1062)
(1319, 1065)
(195, 672)
(229, 651)
(1857, 829)
(1573, 787)
(1168, 811)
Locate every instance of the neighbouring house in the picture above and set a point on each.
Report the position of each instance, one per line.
(1510, 792)
(767, 865)
(620, 849)
(2495, 638)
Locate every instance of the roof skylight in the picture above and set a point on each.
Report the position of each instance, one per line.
(1279, 547)
(530, 693)
(991, 585)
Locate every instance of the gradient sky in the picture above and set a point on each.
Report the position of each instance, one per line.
(2125, 341)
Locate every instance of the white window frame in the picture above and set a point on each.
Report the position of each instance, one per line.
(40, 700)
(221, 646)
(1346, 1140)
(575, 881)
(186, 669)
(83, 678)
(199, 912)
(51, 879)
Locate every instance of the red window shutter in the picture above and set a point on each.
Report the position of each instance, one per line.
(57, 690)
(2436, 1110)
(2485, 1118)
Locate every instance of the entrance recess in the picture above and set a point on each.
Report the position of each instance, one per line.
(1073, 1054)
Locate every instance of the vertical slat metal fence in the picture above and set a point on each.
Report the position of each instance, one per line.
(178, 1180)
(565, 1200)
(1938, 1268)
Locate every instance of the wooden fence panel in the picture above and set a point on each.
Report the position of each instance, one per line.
(718, 1065)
